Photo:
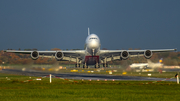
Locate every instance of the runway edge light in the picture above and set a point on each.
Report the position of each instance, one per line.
(50, 77)
(177, 76)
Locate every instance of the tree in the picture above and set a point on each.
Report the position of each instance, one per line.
(55, 49)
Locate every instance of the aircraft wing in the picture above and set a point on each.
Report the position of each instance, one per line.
(124, 54)
(71, 55)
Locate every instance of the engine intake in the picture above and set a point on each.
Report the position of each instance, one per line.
(148, 54)
(124, 55)
(59, 55)
(34, 55)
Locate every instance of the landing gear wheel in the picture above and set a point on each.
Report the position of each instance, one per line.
(85, 66)
(105, 65)
(77, 65)
(97, 65)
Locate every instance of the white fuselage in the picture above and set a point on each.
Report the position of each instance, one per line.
(145, 65)
(92, 46)
(139, 65)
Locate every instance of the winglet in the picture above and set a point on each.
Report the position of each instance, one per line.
(88, 31)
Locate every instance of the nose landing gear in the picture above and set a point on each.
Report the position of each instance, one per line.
(97, 65)
(85, 66)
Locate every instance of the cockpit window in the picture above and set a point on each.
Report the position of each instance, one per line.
(92, 38)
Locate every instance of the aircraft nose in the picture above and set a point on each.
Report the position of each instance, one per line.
(93, 44)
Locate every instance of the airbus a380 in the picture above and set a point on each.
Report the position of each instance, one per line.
(92, 55)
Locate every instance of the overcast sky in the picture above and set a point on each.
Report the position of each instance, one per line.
(120, 24)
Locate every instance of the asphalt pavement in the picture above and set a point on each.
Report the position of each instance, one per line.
(79, 76)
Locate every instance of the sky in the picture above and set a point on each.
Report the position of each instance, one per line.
(120, 24)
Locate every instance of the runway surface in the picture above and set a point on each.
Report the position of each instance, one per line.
(79, 76)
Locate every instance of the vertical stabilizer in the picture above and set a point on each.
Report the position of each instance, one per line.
(88, 31)
(161, 60)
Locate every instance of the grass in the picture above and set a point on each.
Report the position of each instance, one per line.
(60, 90)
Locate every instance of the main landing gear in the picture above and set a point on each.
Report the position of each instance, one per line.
(105, 65)
(77, 65)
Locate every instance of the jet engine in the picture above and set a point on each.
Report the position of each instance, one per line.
(34, 55)
(124, 55)
(148, 54)
(59, 55)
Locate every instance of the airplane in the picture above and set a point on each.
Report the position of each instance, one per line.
(92, 55)
(149, 64)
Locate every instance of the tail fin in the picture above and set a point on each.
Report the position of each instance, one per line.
(161, 60)
(88, 31)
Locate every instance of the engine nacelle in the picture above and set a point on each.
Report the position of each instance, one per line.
(59, 55)
(35, 55)
(148, 54)
(124, 55)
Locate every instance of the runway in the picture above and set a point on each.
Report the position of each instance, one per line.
(79, 76)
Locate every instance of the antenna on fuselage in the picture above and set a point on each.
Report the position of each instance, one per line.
(88, 31)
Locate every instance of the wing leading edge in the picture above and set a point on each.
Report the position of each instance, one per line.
(63, 55)
(110, 55)
(78, 55)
